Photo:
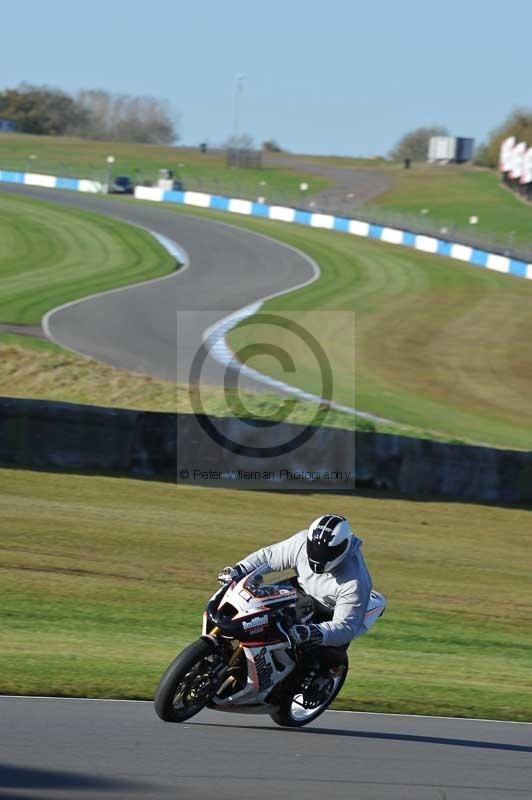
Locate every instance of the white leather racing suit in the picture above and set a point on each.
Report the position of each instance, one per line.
(345, 591)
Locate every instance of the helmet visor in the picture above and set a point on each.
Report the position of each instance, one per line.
(320, 554)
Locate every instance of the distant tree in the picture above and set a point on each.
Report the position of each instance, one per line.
(244, 141)
(415, 144)
(41, 109)
(518, 124)
(271, 146)
(116, 117)
(94, 114)
(97, 106)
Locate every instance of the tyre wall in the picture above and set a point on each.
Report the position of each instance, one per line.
(46, 435)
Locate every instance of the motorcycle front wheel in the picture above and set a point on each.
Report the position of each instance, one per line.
(188, 684)
(300, 705)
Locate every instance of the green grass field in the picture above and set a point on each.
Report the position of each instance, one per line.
(435, 339)
(50, 255)
(36, 368)
(442, 196)
(452, 195)
(82, 158)
(439, 345)
(101, 587)
(67, 254)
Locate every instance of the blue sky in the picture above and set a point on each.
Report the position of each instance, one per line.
(338, 77)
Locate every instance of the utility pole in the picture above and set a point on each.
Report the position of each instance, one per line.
(236, 116)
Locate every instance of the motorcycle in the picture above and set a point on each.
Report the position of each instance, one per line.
(245, 661)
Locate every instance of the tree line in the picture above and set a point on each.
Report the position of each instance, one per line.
(90, 114)
(518, 124)
(415, 144)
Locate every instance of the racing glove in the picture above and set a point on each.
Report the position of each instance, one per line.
(305, 637)
(229, 574)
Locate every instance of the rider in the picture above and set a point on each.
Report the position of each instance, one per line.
(332, 580)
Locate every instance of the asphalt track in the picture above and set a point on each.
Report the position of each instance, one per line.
(85, 749)
(137, 328)
(351, 186)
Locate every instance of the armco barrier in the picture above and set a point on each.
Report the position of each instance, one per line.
(39, 434)
(426, 244)
(51, 181)
(422, 242)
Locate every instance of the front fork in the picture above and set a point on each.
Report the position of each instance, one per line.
(220, 672)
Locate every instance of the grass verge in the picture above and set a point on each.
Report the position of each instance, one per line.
(38, 369)
(51, 255)
(435, 338)
(83, 158)
(101, 588)
(451, 195)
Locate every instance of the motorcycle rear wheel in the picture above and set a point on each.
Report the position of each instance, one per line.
(185, 688)
(292, 714)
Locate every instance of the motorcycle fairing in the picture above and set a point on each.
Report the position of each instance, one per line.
(267, 665)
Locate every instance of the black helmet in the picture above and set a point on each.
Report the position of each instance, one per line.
(328, 542)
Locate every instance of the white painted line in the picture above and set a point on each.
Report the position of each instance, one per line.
(329, 711)
(54, 697)
(214, 337)
(175, 250)
(427, 716)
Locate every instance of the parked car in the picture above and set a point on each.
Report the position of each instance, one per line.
(122, 184)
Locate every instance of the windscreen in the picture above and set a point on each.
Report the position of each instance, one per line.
(255, 586)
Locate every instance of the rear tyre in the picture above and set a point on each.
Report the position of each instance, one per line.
(295, 710)
(188, 684)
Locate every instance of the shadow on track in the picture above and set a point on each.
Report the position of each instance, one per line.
(394, 737)
(21, 778)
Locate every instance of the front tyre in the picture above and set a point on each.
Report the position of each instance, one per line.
(188, 684)
(305, 700)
